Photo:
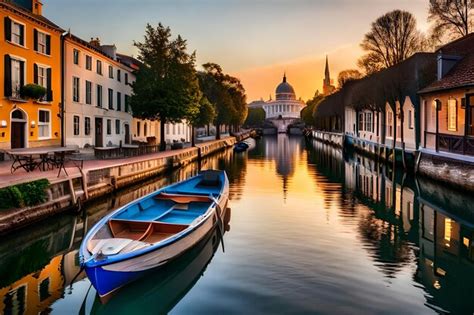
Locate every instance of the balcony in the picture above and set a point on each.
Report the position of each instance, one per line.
(454, 144)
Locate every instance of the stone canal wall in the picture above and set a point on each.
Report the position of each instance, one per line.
(458, 173)
(70, 193)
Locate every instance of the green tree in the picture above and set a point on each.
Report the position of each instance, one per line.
(225, 93)
(166, 86)
(205, 116)
(307, 112)
(392, 38)
(255, 117)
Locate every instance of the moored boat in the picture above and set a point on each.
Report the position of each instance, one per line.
(153, 230)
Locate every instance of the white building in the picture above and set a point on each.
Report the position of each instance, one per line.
(284, 110)
(96, 94)
(285, 105)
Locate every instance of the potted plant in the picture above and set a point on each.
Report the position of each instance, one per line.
(32, 91)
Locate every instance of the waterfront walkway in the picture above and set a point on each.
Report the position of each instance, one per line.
(21, 176)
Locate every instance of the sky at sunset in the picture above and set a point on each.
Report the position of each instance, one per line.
(254, 40)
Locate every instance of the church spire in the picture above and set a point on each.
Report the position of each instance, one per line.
(284, 76)
(327, 78)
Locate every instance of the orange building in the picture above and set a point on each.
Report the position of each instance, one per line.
(30, 53)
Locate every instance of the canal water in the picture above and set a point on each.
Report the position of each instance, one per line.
(308, 230)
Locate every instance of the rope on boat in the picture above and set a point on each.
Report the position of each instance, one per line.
(220, 222)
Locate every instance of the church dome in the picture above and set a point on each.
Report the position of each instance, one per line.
(284, 90)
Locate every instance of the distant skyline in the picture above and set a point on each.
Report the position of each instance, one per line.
(254, 40)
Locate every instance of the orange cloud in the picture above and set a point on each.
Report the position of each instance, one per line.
(304, 74)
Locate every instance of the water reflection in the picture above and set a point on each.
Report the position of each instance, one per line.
(45, 260)
(407, 221)
(314, 230)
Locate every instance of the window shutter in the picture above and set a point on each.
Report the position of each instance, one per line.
(35, 40)
(8, 28)
(8, 76)
(22, 73)
(48, 44)
(35, 73)
(22, 35)
(49, 91)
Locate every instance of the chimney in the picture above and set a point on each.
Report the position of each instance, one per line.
(95, 42)
(109, 50)
(446, 63)
(37, 6)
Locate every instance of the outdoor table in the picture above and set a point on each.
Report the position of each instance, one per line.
(30, 159)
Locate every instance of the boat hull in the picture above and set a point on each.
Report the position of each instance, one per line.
(108, 278)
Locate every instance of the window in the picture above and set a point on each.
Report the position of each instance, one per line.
(138, 129)
(75, 56)
(99, 67)
(87, 126)
(75, 89)
(127, 103)
(390, 123)
(18, 33)
(126, 78)
(167, 129)
(76, 125)
(111, 99)
(44, 288)
(88, 92)
(117, 126)
(99, 95)
(111, 72)
(42, 76)
(119, 101)
(119, 75)
(44, 126)
(42, 42)
(18, 76)
(452, 115)
(109, 126)
(145, 127)
(361, 121)
(88, 62)
(368, 122)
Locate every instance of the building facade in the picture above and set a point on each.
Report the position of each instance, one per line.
(30, 50)
(97, 88)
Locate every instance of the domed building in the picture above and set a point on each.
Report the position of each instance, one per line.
(285, 107)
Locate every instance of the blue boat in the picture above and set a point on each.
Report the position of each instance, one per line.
(241, 147)
(153, 230)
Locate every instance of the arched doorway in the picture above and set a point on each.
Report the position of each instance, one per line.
(18, 129)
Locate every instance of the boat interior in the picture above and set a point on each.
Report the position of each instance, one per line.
(157, 218)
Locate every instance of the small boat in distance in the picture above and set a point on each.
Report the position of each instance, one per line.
(153, 230)
(241, 146)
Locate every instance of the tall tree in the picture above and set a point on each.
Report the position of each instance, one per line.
(166, 86)
(255, 117)
(225, 93)
(347, 76)
(393, 38)
(203, 117)
(451, 18)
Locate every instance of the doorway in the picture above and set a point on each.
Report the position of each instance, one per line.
(18, 129)
(99, 142)
(127, 134)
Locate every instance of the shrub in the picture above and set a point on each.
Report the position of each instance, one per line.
(33, 91)
(24, 195)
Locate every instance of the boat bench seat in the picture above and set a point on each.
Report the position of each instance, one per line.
(145, 231)
(183, 198)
